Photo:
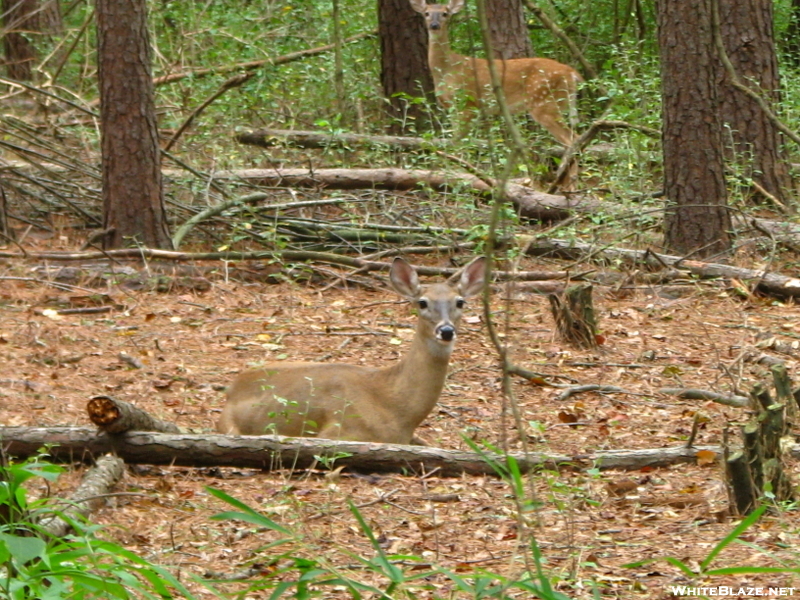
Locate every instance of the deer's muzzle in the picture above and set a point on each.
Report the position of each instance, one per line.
(445, 332)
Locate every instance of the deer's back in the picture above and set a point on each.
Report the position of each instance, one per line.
(297, 399)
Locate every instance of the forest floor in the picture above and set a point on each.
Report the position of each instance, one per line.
(587, 524)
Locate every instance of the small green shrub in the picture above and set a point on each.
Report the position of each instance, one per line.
(37, 566)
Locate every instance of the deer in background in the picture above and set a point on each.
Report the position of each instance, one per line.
(542, 87)
(355, 403)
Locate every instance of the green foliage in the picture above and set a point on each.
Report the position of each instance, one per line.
(37, 566)
(402, 576)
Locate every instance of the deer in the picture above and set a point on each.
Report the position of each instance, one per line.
(543, 87)
(358, 403)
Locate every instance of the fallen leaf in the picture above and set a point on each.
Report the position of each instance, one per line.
(706, 457)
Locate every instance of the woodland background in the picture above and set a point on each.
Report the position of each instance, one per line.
(279, 264)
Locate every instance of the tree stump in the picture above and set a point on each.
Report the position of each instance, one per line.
(574, 315)
(758, 467)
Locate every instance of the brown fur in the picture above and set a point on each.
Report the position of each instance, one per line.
(350, 402)
(543, 88)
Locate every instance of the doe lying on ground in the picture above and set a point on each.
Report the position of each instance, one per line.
(351, 402)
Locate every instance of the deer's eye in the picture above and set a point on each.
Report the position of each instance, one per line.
(461, 303)
(423, 304)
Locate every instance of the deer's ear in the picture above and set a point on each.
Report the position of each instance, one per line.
(418, 5)
(472, 278)
(455, 6)
(404, 278)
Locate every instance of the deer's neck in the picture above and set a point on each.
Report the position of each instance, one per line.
(417, 380)
(440, 57)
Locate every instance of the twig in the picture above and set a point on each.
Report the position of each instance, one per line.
(588, 69)
(579, 144)
(737, 83)
(280, 60)
(56, 284)
(593, 387)
(231, 83)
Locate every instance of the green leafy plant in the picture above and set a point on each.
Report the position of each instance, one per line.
(38, 566)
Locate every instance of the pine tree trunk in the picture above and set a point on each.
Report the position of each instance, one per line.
(746, 29)
(697, 219)
(20, 20)
(404, 65)
(133, 204)
(508, 29)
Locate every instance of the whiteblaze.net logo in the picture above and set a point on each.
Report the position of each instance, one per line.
(732, 592)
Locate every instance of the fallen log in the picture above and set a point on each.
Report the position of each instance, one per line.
(115, 416)
(694, 394)
(530, 203)
(276, 452)
(267, 138)
(87, 497)
(766, 282)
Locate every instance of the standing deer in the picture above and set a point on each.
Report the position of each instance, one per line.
(542, 87)
(355, 403)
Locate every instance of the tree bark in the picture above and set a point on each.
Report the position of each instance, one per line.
(21, 20)
(575, 317)
(275, 452)
(746, 30)
(697, 219)
(96, 482)
(133, 204)
(508, 29)
(404, 66)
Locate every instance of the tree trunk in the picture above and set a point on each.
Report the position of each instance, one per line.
(21, 19)
(697, 219)
(746, 29)
(404, 66)
(508, 29)
(133, 204)
(51, 21)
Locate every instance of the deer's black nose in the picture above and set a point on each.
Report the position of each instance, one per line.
(447, 333)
